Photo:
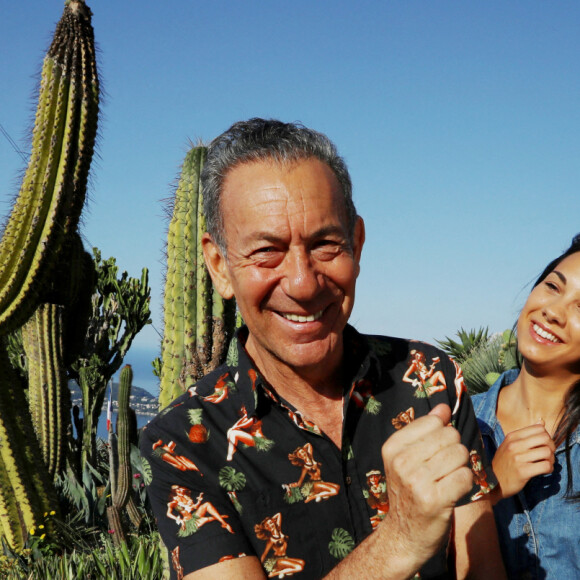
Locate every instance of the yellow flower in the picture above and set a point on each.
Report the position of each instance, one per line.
(32, 531)
(41, 527)
(52, 513)
(43, 536)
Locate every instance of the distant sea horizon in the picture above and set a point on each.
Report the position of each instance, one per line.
(140, 359)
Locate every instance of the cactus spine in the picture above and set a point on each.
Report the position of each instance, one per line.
(45, 214)
(198, 321)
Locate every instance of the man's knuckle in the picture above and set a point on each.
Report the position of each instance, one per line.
(399, 463)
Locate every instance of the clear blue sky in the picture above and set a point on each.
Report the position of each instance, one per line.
(460, 123)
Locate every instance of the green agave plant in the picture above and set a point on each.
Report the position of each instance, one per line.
(486, 362)
(469, 340)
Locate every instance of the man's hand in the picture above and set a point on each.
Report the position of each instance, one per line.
(523, 454)
(426, 471)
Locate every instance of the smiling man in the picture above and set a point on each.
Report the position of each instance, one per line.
(308, 407)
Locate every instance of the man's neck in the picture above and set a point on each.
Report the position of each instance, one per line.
(316, 392)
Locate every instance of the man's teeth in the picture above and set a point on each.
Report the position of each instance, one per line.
(298, 318)
(545, 334)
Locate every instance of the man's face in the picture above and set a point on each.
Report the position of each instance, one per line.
(290, 263)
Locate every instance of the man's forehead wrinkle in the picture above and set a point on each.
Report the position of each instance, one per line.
(271, 203)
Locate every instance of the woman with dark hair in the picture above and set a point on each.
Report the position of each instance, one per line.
(529, 423)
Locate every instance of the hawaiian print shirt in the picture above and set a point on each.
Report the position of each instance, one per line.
(235, 470)
(538, 528)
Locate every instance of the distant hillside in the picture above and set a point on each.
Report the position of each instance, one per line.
(141, 401)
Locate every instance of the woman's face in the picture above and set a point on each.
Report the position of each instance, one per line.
(549, 324)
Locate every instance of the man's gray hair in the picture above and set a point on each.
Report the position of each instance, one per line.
(263, 139)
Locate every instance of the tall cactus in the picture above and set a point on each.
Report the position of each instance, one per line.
(120, 462)
(53, 189)
(46, 212)
(198, 321)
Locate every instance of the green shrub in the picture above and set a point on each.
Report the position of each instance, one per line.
(137, 559)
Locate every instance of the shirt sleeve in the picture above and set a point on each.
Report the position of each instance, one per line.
(464, 420)
(197, 521)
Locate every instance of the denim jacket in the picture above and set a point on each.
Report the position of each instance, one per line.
(539, 530)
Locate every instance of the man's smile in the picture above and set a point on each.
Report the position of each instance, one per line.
(301, 318)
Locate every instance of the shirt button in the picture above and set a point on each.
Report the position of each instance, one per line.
(527, 528)
(348, 480)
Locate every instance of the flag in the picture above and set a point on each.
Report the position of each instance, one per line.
(110, 408)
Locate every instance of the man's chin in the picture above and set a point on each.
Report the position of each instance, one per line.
(313, 357)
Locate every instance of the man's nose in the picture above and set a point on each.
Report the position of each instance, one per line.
(300, 280)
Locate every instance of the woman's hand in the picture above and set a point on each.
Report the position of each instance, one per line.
(524, 454)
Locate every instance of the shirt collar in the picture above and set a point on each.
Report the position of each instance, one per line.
(486, 404)
(359, 359)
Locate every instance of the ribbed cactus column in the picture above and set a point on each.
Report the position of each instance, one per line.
(45, 213)
(198, 322)
(53, 190)
(48, 394)
(26, 490)
(120, 459)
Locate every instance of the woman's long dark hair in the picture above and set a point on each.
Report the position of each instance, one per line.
(571, 416)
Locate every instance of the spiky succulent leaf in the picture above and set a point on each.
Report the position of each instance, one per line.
(469, 341)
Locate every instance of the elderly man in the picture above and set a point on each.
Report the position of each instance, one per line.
(278, 485)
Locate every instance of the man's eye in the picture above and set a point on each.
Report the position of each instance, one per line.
(327, 244)
(327, 248)
(267, 257)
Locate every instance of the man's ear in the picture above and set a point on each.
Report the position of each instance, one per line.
(358, 242)
(217, 266)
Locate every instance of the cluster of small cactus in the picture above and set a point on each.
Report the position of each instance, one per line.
(119, 309)
(508, 357)
(198, 322)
